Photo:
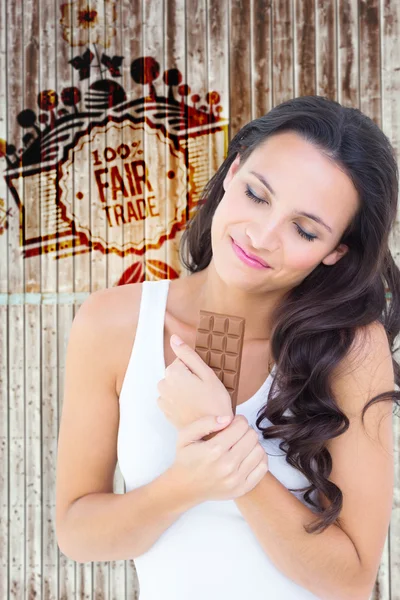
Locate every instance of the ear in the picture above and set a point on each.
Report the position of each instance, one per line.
(231, 173)
(336, 255)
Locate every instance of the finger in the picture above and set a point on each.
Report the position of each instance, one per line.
(194, 432)
(181, 365)
(161, 403)
(231, 434)
(161, 386)
(245, 445)
(176, 368)
(192, 360)
(257, 473)
(252, 460)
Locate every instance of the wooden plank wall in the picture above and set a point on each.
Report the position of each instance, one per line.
(255, 54)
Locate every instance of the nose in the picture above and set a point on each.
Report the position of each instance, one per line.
(264, 236)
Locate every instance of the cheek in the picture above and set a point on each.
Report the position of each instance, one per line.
(231, 210)
(303, 261)
(221, 219)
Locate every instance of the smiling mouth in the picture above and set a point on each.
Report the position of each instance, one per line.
(251, 258)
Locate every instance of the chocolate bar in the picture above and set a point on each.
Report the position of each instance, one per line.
(219, 342)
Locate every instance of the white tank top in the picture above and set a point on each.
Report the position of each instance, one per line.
(210, 552)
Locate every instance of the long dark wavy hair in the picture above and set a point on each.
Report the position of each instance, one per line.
(315, 324)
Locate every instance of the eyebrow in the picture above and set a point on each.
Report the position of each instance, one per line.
(302, 213)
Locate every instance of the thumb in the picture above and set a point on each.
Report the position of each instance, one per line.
(196, 431)
(190, 358)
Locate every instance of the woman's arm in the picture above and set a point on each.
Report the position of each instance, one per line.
(326, 564)
(105, 527)
(342, 562)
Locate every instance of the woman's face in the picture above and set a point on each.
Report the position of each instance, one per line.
(268, 223)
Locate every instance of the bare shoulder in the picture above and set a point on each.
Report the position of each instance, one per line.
(368, 365)
(113, 305)
(114, 313)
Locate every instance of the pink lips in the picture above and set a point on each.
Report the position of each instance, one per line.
(251, 260)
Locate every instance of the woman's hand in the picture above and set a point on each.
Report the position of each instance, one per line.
(191, 390)
(223, 468)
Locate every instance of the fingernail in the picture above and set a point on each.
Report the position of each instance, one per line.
(175, 339)
(223, 419)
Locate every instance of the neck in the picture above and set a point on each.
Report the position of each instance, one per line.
(210, 292)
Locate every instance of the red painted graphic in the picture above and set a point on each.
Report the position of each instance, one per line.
(99, 193)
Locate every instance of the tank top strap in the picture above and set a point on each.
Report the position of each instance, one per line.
(149, 339)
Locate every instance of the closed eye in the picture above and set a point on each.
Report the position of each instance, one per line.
(258, 200)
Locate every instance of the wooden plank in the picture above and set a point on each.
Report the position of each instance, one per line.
(97, 263)
(326, 40)
(204, 154)
(304, 48)
(5, 204)
(239, 66)
(369, 44)
(198, 79)
(44, 418)
(164, 155)
(133, 264)
(261, 57)
(113, 139)
(390, 24)
(348, 68)
(16, 557)
(4, 448)
(282, 28)
(45, 411)
(154, 154)
(175, 187)
(66, 311)
(32, 200)
(218, 75)
(16, 348)
(64, 80)
(15, 134)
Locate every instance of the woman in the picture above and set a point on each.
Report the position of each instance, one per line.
(310, 190)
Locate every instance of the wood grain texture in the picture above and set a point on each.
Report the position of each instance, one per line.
(4, 362)
(304, 48)
(261, 57)
(17, 532)
(282, 51)
(239, 66)
(348, 53)
(326, 55)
